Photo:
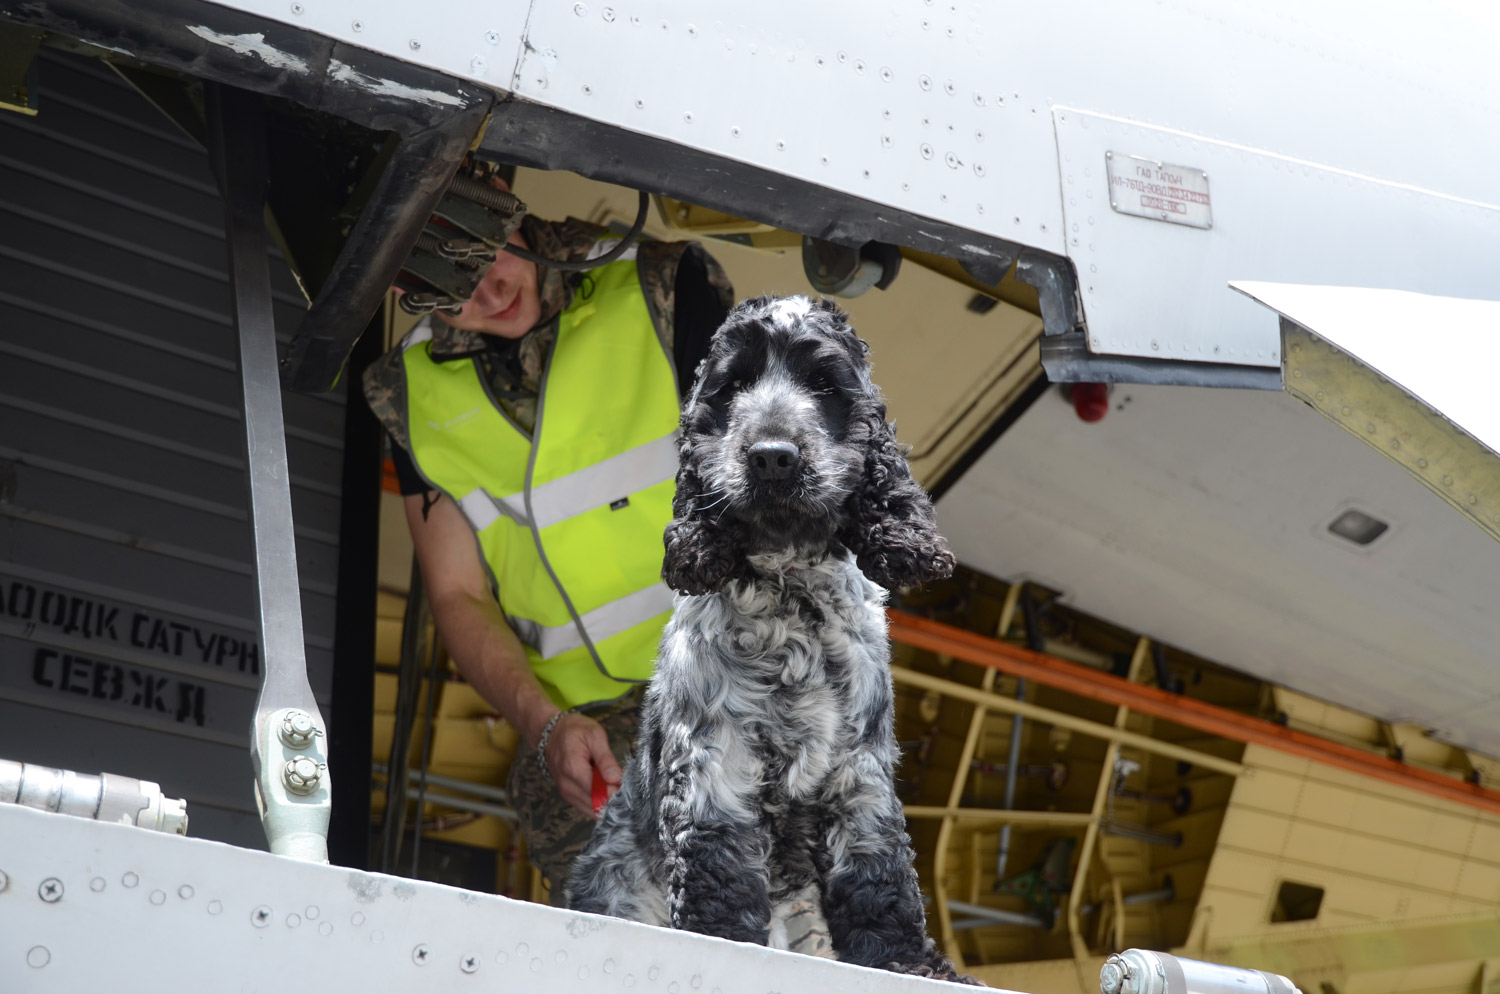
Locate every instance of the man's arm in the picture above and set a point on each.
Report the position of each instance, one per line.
(490, 656)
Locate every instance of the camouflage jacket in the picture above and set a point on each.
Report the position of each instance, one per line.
(513, 369)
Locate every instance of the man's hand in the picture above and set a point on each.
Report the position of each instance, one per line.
(576, 747)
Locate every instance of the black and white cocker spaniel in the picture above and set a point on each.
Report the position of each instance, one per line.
(764, 772)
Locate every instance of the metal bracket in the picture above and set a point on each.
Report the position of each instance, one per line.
(1056, 290)
(291, 778)
(1067, 359)
(843, 271)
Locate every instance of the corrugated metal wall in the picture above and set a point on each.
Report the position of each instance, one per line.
(127, 631)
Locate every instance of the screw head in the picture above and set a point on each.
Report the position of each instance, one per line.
(420, 954)
(469, 964)
(50, 890)
(477, 65)
(1112, 976)
(298, 729)
(493, 37)
(296, 8)
(416, 46)
(302, 775)
(261, 916)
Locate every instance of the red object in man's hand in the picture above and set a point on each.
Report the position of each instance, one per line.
(600, 792)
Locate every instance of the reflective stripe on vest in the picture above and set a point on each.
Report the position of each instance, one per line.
(601, 623)
(570, 528)
(578, 492)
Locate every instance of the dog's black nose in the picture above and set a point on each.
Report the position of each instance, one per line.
(773, 460)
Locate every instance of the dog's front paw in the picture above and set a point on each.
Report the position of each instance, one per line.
(942, 969)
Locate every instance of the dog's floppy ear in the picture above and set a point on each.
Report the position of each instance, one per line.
(700, 556)
(891, 529)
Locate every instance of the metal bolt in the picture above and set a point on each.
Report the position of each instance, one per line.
(581, 10)
(469, 964)
(419, 955)
(1112, 976)
(493, 37)
(978, 169)
(609, 13)
(296, 8)
(886, 74)
(51, 890)
(949, 88)
(416, 46)
(298, 729)
(357, 25)
(952, 161)
(926, 151)
(301, 775)
(260, 917)
(924, 81)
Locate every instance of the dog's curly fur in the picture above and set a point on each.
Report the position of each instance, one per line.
(764, 773)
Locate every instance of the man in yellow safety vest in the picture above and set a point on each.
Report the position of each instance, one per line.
(534, 437)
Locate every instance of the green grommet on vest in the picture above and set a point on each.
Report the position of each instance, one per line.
(570, 528)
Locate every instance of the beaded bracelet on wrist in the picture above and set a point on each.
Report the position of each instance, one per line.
(541, 742)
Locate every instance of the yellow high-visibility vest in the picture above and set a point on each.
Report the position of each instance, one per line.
(569, 521)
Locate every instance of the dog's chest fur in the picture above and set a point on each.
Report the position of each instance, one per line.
(792, 670)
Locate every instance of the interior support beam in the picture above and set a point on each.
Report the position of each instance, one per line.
(956, 790)
(1101, 799)
(999, 702)
(923, 633)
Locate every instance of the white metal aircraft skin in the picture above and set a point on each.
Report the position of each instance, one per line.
(89, 906)
(1339, 143)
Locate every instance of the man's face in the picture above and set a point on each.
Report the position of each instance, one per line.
(506, 302)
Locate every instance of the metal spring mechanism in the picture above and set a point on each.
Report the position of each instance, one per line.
(485, 195)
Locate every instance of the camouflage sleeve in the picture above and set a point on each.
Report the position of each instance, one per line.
(385, 391)
(657, 264)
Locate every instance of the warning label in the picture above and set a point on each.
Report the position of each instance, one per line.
(1158, 190)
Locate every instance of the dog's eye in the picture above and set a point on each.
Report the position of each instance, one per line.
(820, 385)
(736, 384)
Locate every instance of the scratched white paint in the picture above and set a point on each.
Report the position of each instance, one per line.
(388, 88)
(252, 44)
